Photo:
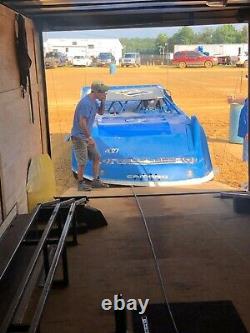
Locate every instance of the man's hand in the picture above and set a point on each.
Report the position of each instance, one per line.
(102, 99)
(233, 99)
(91, 141)
(230, 99)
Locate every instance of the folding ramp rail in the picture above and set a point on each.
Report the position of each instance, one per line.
(48, 250)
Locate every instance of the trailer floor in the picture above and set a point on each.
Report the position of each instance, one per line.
(202, 246)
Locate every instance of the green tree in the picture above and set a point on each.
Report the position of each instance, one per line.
(161, 43)
(142, 45)
(184, 36)
(206, 36)
(226, 34)
(242, 36)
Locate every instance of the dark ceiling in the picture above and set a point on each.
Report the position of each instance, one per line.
(54, 15)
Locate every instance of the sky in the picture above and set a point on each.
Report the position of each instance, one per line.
(125, 33)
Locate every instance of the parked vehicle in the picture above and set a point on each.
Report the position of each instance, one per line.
(81, 61)
(131, 59)
(184, 59)
(55, 59)
(105, 59)
(223, 60)
(144, 139)
(242, 60)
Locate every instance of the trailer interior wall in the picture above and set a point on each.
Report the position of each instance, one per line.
(20, 138)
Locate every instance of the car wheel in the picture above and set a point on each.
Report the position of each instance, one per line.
(74, 174)
(182, 64)
(208, 64)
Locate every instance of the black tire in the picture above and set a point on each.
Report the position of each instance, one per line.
(208, 64)
(74, 174)
(182, 64)
(241, 205)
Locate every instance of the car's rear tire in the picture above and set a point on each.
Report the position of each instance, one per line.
(182, 64)
(208, 64)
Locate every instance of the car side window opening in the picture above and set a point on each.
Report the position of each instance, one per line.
(137, 106)
(193, 54)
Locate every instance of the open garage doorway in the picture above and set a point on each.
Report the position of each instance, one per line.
(197, 90)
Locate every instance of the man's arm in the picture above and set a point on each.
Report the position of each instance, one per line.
(83, 125)
(101, 108)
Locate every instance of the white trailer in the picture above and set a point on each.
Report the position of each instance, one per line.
(85, 47)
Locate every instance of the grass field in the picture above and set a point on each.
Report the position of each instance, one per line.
(197, 91)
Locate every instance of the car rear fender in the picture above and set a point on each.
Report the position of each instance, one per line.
(200, 142)
(196, 134)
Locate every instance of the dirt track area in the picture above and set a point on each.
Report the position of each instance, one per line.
(197, 91)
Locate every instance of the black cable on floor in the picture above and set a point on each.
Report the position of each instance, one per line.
(162, 281)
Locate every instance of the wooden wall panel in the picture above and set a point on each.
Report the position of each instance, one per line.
(20, 139)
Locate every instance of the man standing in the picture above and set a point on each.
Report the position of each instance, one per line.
(83, 144)
(243, 129)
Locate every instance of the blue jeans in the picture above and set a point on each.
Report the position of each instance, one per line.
(245, 149)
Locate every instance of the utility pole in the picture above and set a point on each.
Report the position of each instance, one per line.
(162, 52)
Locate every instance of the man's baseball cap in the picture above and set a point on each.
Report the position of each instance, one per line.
(99, 87)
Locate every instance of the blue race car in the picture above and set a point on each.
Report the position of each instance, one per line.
(144, 139)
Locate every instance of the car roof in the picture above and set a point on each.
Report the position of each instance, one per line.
(135, 93)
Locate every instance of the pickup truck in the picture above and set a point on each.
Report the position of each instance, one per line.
(55, 59)
(242, 60)
(131, 59)
(105, 59)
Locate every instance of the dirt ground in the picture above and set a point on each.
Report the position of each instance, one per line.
(197, 91)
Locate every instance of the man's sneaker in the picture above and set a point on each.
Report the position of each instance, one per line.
(97, 183)
(82, 186)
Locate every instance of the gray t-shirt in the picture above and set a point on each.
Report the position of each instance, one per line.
(86, 108)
